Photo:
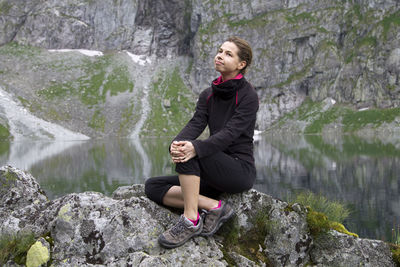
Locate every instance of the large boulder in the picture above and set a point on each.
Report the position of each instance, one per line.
(90, 228)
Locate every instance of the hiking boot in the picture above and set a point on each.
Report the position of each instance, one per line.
(213, 219)
(181, 232)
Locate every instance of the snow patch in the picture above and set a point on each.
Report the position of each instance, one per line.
(24, 125)
(90, 53)
(139, 59)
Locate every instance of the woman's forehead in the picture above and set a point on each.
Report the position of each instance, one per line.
(229, 46)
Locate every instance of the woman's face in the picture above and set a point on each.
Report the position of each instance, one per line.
(227, 61)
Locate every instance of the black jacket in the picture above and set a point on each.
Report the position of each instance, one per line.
(229, 109)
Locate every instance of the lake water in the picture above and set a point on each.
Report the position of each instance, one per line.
(365, 175)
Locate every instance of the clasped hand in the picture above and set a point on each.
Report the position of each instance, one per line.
(182, 151)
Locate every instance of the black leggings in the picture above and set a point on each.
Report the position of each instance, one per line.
(218, 173)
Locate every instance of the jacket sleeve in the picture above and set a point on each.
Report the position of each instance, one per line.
(244, 115)
(197, 123)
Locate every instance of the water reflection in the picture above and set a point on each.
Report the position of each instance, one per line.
(364, 174)
(63, 167)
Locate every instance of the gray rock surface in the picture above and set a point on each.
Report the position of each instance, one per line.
(92, 229)
(348, 51)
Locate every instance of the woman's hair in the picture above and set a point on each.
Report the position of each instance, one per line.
(245, 53)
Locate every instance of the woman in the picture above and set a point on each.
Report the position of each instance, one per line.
(221, 163)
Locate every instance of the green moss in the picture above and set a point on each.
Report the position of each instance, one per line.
(368, 41)
(35, 106)
(15, 247)
(356, 120)
(248, 244)
(389, 21)
(15, 49)
(325, 118)
(351, 120)
(171, 105)
(319, 223)
(304, 16)
(361, 24)
(4, 148)
(4, 132)
(322, 29)
(341, 229)
(102, 76)
(295, 76)
(323, 214)
(307, 110)
(118, 81)
(5, 8)
(395, 249)
(335, 210)
(127, 117)
(7, 180)
(255, 22)
(190, 66)
(98, 121)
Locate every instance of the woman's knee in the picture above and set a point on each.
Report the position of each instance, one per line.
(156, 187)
(190, 167)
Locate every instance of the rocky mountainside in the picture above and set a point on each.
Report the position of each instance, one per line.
(89, 229)
(346, 50)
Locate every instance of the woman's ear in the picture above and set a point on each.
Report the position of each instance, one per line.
(242, 64)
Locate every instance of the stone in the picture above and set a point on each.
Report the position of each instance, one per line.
(337, 249)
(167, 103)
(92, 229)
(302, 48)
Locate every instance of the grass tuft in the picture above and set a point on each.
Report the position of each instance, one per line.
(334, 210)
(15, 247)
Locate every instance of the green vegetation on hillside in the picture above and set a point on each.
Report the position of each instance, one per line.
(19, 50)
(98, 121)
(4, 132)
(393, 20)
(344, 117)
(100, 77)
(172, 105)
(4, 8)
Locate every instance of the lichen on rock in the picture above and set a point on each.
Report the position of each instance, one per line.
(38, 254)
(90, 228)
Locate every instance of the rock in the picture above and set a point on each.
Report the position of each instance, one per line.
(20, 193)
(337, 249)
(125, 192)
(301, 48)
(19, 189)
(167, 103)
(92, 229)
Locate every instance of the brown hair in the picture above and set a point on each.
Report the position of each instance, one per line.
(245, 52)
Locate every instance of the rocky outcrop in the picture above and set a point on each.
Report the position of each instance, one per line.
(143, 27)
(90, 228)
(346, 50)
